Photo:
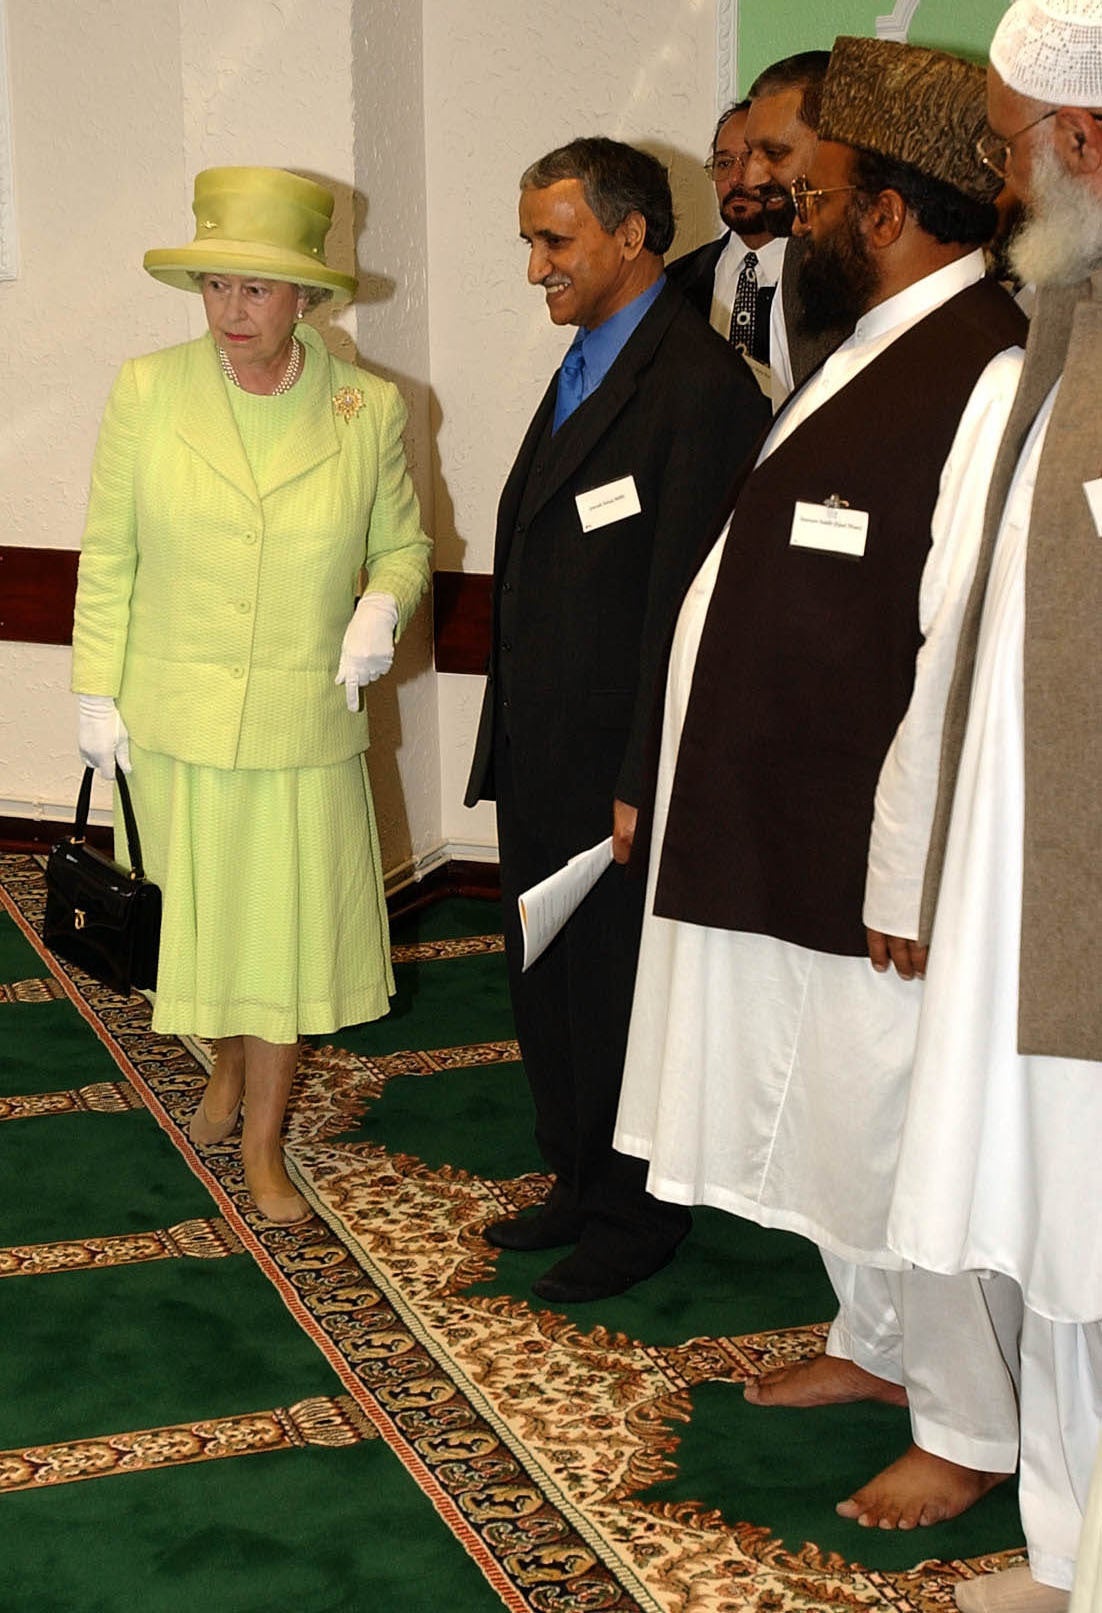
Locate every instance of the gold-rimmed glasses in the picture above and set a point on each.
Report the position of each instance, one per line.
(804, 194)
(720, 167)
(994, 150)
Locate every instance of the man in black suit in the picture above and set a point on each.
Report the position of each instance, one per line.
(621, 475)
(731, 281)
(781, 134)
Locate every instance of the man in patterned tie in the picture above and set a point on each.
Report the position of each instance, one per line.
(732, 280)
(782, 134)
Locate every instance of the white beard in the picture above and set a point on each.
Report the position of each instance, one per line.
(1059, 242)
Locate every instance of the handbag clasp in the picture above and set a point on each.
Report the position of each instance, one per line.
(78, 918)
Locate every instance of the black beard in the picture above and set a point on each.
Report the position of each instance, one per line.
(778, 207)
(755, 224)
(836, 282)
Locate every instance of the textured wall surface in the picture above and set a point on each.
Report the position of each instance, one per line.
(505, 81)
(392, 329)
(98, 180)
(113, 115)
(769, 29)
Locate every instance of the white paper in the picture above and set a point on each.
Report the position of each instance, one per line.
(1093, 490)
(837, 531)
(615, 501)
(545, 908)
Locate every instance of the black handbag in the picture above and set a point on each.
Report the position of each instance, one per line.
(99, 915)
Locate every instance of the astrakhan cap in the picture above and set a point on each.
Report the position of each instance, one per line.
(914, 105)
(1051, 50)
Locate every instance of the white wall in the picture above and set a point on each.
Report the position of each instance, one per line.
(97, 180)
(115, 107)
(420, 114)
(505, 81)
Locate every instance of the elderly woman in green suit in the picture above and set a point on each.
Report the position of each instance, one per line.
(241, 484)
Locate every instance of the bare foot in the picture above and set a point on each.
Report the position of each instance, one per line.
(918, 1489)
(825, 1380)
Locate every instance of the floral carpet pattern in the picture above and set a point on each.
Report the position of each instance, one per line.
(539, 1440)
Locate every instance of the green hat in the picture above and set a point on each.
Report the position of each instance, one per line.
(255, 221)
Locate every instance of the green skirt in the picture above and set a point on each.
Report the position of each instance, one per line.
(274, 916)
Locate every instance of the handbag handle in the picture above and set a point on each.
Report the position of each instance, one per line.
(84, 802)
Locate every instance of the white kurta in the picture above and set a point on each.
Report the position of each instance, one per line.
(999, 1165)
(761, 1077)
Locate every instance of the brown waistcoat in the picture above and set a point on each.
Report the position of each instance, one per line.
(806, 662)
(1060, 994)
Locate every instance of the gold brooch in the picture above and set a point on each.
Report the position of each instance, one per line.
(348, 401)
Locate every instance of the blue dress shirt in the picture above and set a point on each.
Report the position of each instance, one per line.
(598, 350)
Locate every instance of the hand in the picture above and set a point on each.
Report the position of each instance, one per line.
(101, 735)
(368, 648)
(623, 830)
(909, 958)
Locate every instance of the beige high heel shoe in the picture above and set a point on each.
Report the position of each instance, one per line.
(205, 1132)
(284, 1209)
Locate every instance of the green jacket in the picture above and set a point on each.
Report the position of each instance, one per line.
(214, 609)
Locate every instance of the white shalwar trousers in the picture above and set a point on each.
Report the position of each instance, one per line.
(1061, 1428)
(948, 1340)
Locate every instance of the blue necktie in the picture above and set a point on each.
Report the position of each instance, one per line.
(571, 382)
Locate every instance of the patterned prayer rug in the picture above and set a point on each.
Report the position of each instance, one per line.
(598, 1460)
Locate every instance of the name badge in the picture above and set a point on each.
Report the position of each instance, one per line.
(615, 501)
(836, 530)
(1093, 490)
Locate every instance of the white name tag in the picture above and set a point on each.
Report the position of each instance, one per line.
(615, 501)
(838, 531)
(1093, 490)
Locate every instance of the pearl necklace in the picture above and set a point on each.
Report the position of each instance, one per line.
(290, 374)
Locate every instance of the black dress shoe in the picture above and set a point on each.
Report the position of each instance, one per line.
(580, 1277)
(549, 1228)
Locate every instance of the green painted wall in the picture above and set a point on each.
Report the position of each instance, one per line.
(770, 29)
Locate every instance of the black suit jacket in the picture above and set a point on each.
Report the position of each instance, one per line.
(695, 274)
(582, 619)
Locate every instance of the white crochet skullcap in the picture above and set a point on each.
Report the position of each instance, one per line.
(1051, 50)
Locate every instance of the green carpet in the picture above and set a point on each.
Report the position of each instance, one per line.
(601, 1460)
(107, 1351)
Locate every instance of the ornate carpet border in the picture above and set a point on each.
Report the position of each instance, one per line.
(405, 1360)
(518, 1550)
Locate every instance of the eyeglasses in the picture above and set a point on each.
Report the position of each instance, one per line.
(803, 195)
(720, 167)
(994, 150)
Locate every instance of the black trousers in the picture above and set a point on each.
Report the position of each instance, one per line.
(572, 1011)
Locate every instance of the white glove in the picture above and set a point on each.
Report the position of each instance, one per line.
(368, 648)
(101, 735)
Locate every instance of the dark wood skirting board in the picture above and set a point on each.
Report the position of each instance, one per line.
(39, 834)
(37, 589)
(38, 586)
(455, 878)
(461, 620)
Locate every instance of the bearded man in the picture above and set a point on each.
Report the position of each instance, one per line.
(999, 1163)
(732, 281)
(781, 133)
(768, 1064)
